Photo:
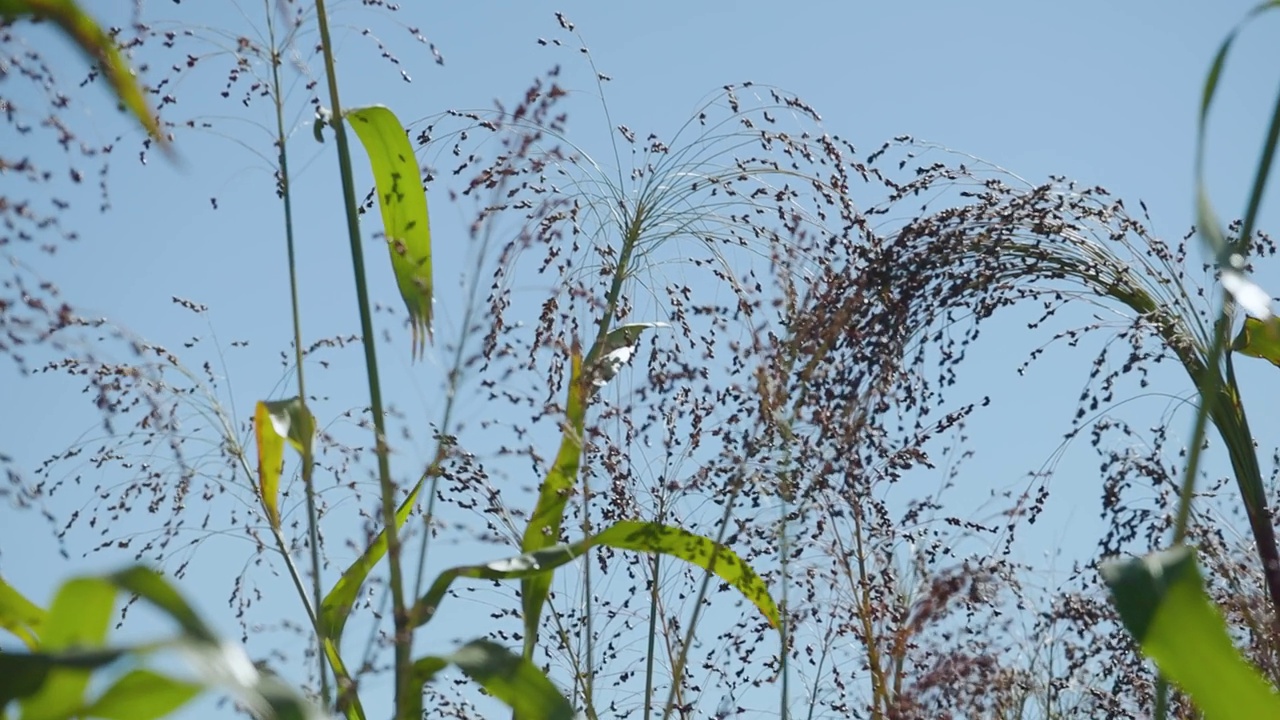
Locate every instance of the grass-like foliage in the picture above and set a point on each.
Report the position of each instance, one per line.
(695, 429)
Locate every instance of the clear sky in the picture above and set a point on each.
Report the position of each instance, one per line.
(1105, 93)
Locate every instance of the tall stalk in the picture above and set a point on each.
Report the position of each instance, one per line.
(387, 488)
(308, 467)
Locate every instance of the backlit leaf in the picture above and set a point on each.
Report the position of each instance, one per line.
(142, 695)
(1260, 339)
(274, 422)
(633, 535)
(1162, 602)
(98, 45)
(20, 616)
(78, 620)
(336, 606)
(504, 675)
(403, 203)
(155, 589)
(270, 460)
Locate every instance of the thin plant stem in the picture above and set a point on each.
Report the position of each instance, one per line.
(677, 670)
(654, 608)
(588, 681)
(313, 532)
(784, 699)
(387, 487)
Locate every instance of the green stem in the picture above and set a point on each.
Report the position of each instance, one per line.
(1209, 384)
(654, 608)
(784, 711)
(677, 669)
(308, 467)
(588, 681)
(387, 488)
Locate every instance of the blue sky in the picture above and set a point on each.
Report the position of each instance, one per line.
(1104, 93)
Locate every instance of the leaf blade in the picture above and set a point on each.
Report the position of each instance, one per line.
(99, 46)
(20, 616)
(1162, 602)
(142, 694)
(544, 525)
(337, 604)
(78, 620)
(1259, 339)
(403, 204)
(512, 679)
(270, 460)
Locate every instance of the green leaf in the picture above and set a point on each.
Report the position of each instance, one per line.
(1259, 339)
(504, 675)
(403, 203)
(1162, 602)
(348, 700)
(651, 537)
(20, 616)
(51, 684)
(1206, 220)
(142, 695)
(23, 675)
(275, 421)
(78, 620)
(98, 45)
(155, 589)
(538, 563)
(544, 525)
(337, 604)
(634, 535)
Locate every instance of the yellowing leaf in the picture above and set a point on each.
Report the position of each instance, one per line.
(270, 461)
(274, 422)
(403, 203)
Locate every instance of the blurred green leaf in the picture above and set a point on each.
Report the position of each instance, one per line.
(336, 606)
(98, 45)
(78, 620)
(23, 674)
(1259, 339)
(403, 203)
(51, 684)
(543, 529)
(155, 589)
(20, 616)
(1162, 602)
(275, 421)
(504, 675)
(634, 535)
(142, 695)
